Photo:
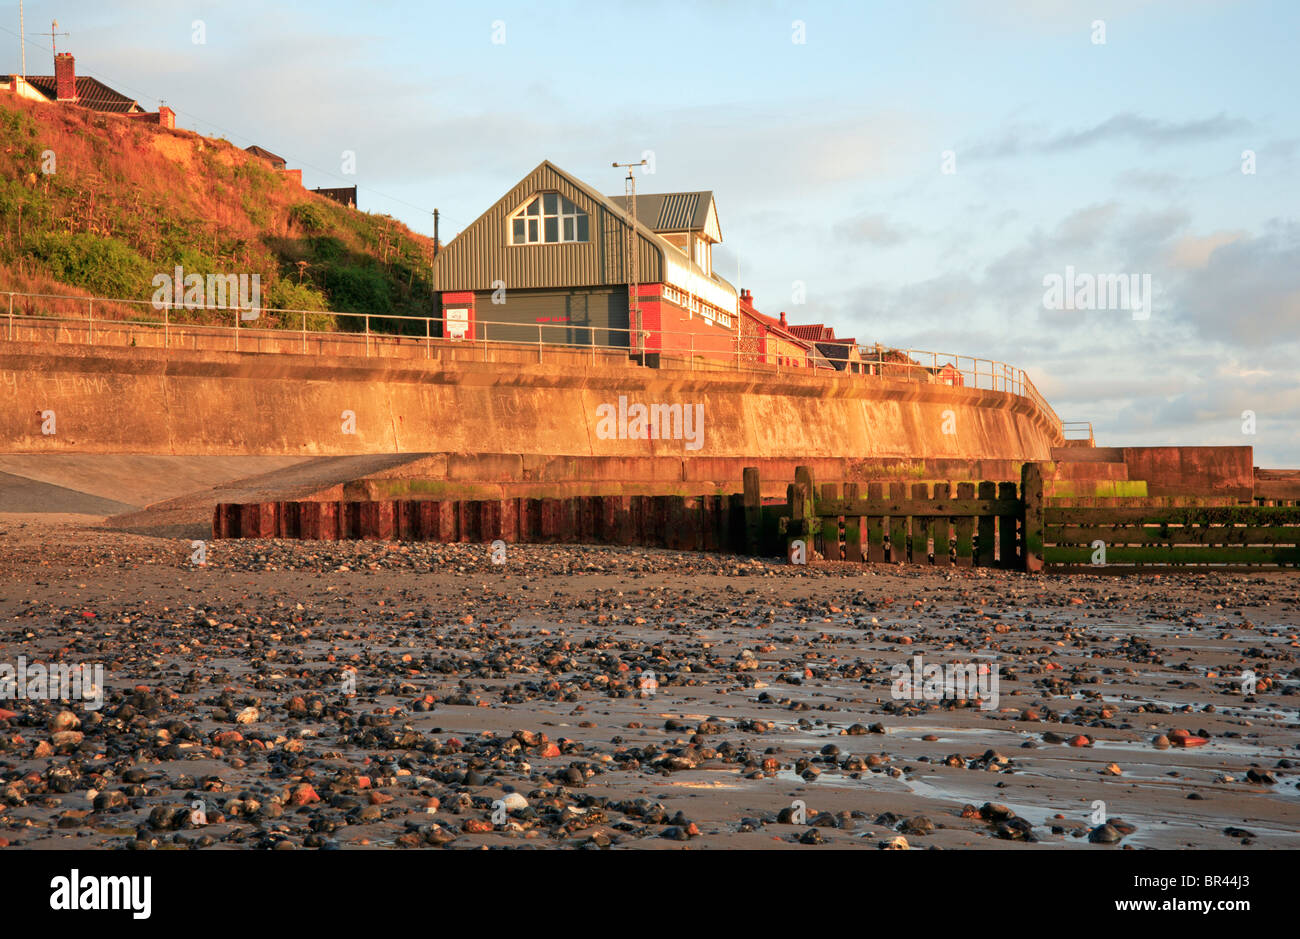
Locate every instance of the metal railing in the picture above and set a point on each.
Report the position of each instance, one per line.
(1078, 430)
(289, 331)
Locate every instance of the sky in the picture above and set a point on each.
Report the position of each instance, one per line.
(912, 173)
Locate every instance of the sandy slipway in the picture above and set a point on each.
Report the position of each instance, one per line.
(307, 695)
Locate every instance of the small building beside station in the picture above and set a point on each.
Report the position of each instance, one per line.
(768, 341)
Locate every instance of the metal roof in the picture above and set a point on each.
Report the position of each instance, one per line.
(671, 211)
(481, 254)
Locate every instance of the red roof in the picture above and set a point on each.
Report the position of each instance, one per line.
(820, 333)
(772, 325)
(813, 333)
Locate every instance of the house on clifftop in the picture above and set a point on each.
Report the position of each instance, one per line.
(66, 87)
(277, 162)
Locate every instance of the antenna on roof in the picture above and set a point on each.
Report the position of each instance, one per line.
(54, 24)
(633, 288)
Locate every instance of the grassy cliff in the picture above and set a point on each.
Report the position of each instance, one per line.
(126, 201)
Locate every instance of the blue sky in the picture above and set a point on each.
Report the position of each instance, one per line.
(1122, 157)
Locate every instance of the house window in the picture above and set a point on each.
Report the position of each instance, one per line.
(703, 255)
(548, 218)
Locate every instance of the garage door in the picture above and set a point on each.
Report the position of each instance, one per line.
(562, 316)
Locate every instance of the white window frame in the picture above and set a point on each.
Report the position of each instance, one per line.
(566, 210)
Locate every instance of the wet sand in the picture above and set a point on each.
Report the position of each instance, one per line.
(372, 695)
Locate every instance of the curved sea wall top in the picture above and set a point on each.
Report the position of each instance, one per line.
(65, 397)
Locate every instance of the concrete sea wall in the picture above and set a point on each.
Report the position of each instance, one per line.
(171, 401)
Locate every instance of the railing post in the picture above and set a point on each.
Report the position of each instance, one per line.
(167, 326)
(367, 334)
(692, 353)
(539, 343)
(90, 322)
(11, 314)
(428, 337)
(236, 330)
(304, 332)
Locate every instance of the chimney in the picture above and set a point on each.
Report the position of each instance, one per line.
(65, 77)
(166, 116)
(783, 322)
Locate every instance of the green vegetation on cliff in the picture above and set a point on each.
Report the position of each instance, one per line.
(98, 205)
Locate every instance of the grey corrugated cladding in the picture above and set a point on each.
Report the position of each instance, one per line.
(481, 254)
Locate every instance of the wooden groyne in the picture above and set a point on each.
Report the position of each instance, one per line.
(963, 524)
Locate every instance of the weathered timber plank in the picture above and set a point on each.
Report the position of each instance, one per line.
(922, 527)
(832, 540)
(797, 496)
(987, 524)
(1203, 515)
(965, 527)
(1172, 534)
(852, 527)
(929, 507)
(1175, 556)
(1121, 570)
(941, 527)
(753, 500)
(1007, 553)
(875, 525)
(1031, 523)
(898, 522)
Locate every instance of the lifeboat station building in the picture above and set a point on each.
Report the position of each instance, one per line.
(548, 263)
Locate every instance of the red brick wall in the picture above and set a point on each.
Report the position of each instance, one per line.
(685, 332)
(65, 76)
(652, 305)
(164, 117)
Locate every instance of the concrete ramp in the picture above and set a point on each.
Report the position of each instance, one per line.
(189, 515)
(19, 494)
(125, 480)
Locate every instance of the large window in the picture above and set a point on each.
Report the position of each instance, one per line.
(548, 218)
